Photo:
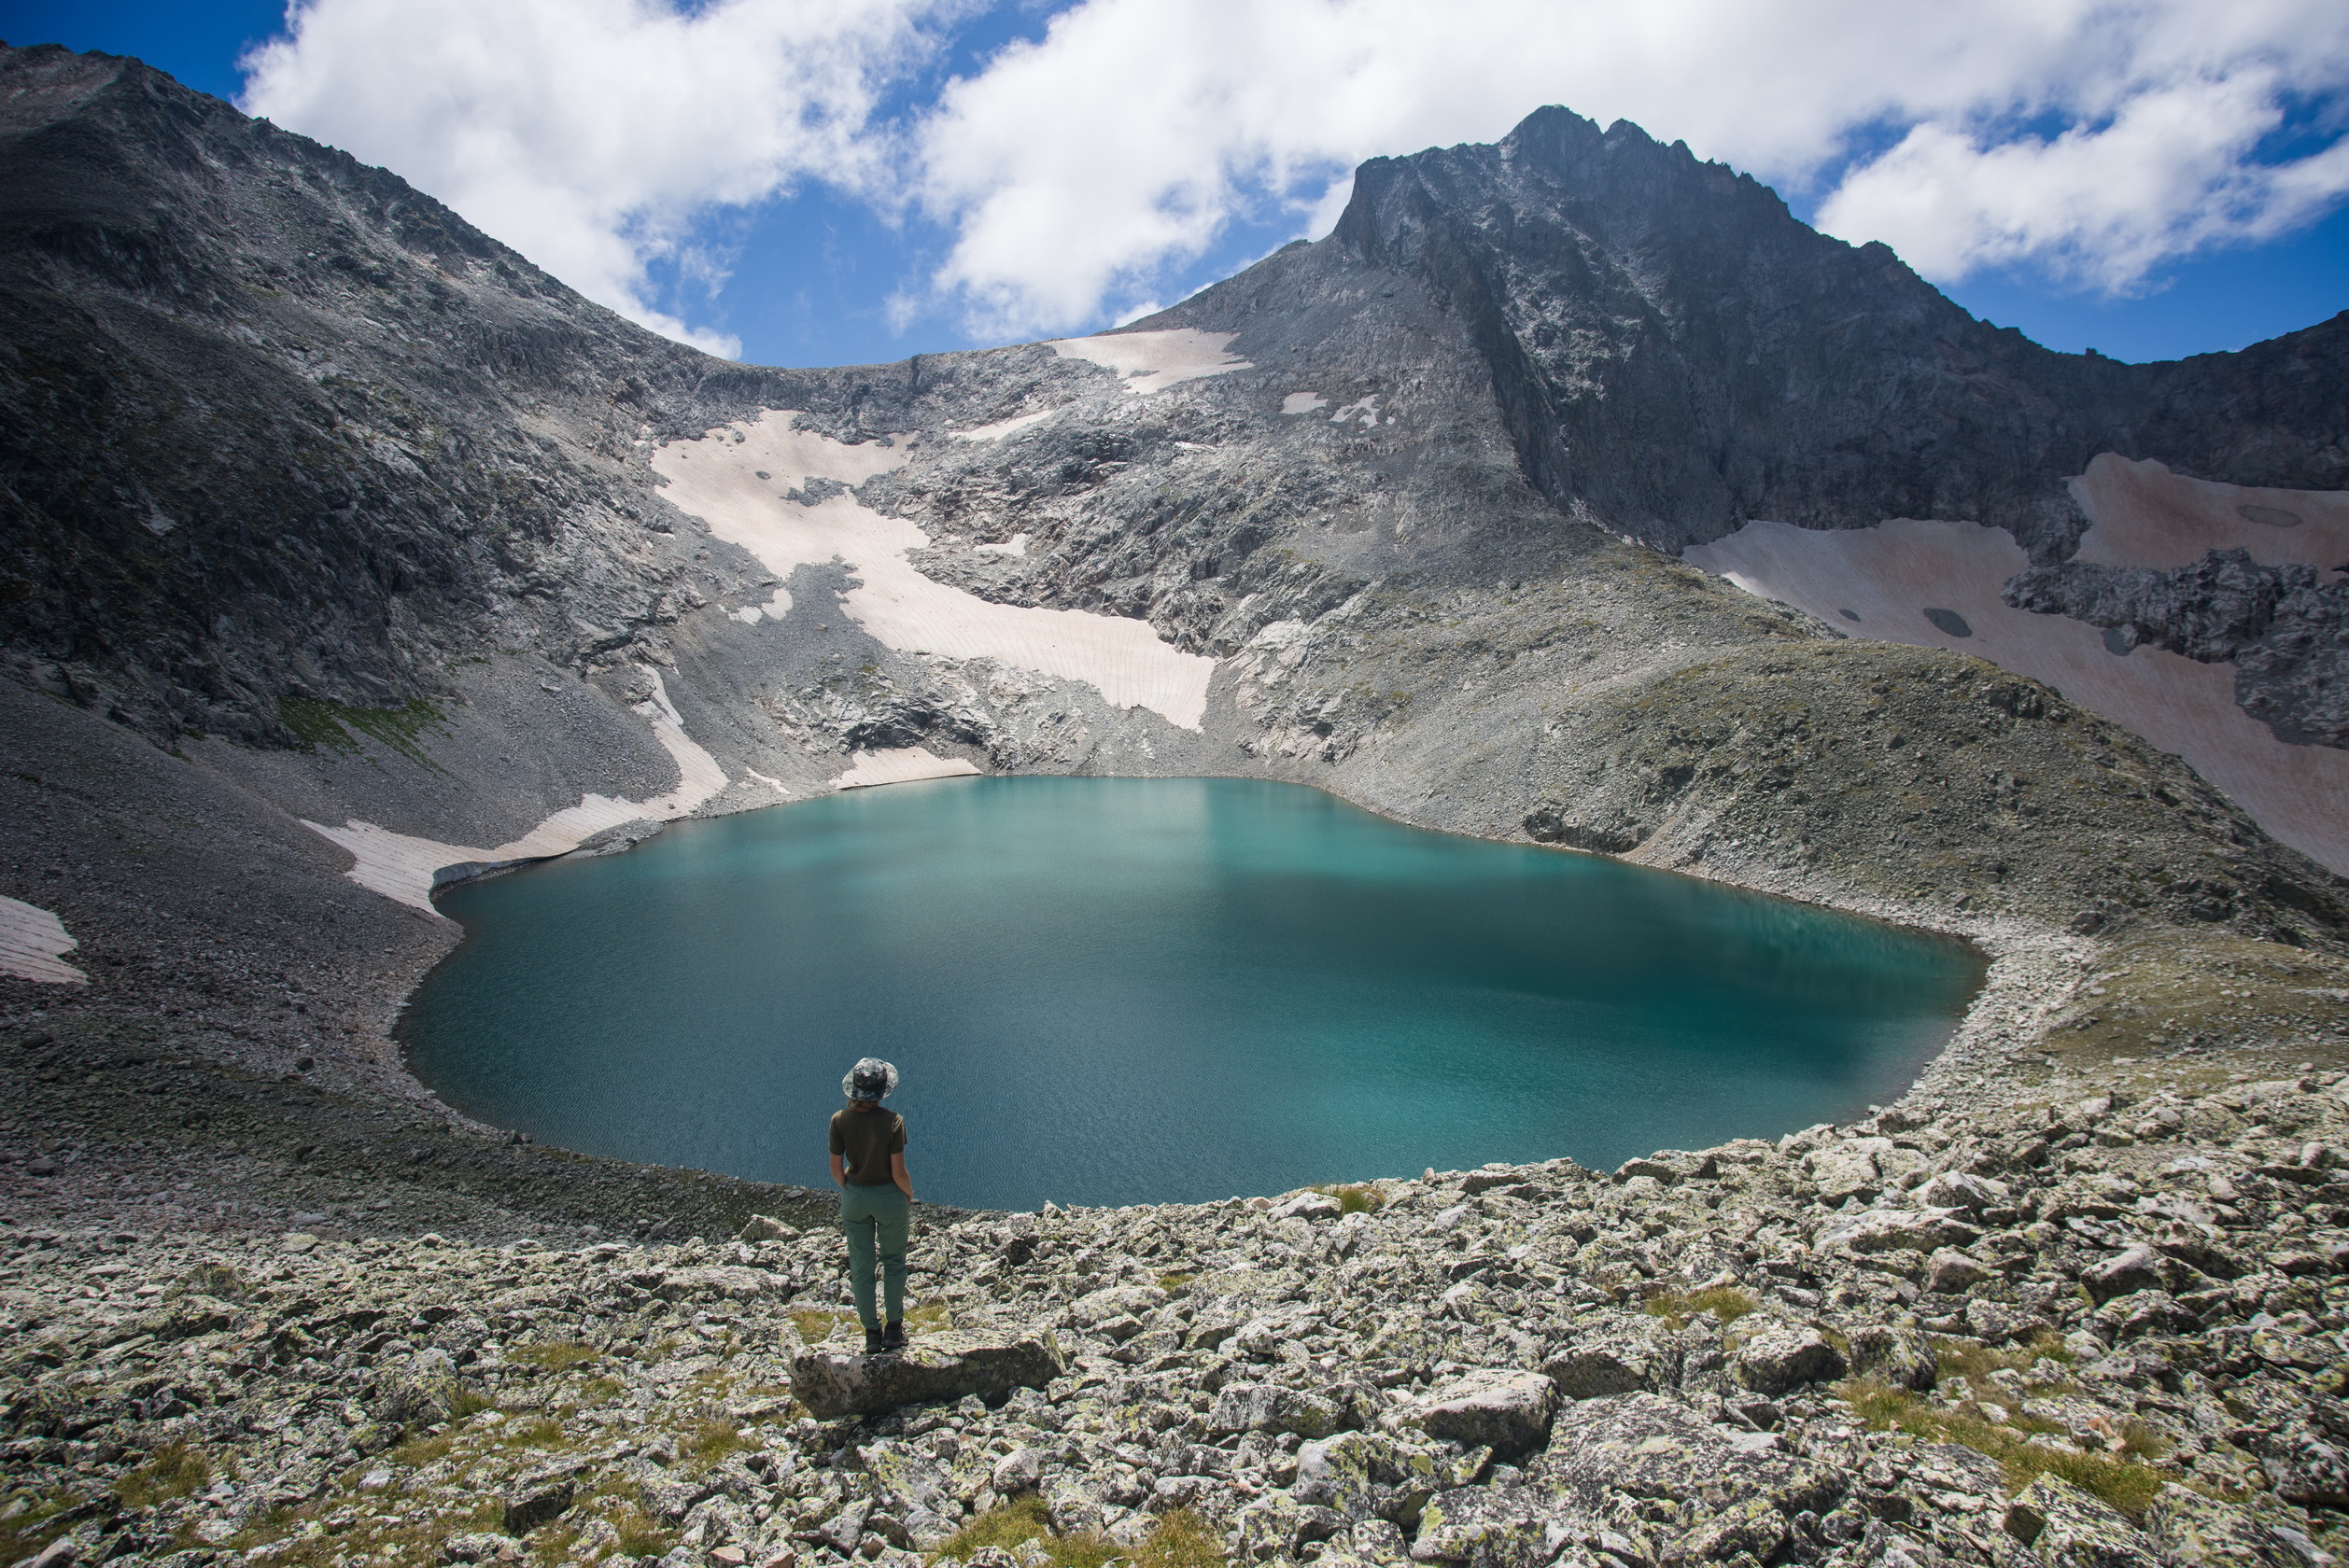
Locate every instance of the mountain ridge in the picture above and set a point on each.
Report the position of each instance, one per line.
(373, 528)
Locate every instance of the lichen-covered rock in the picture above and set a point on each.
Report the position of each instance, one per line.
(2308, 1461)
(764, 1228)
(1951, 1272)
(1020, 1471)
(1670, 1166)
(1276, 1524)
(2145, 1312)
(1489, 1527)
(1889, 1354)
(1073, 1505)
(2073, 1528)
(722, 1282)
(1375, 1475)
(1772, 1358)
(1754, 1529)
(670, 1497)
(527, 1510)
(2135, 1268)
(1117, 1301)
(1848, 1168)
(1611, 1357)
(1895, 1230)
(1961, 1191)
(1270, 1407)
(1506, 1411)
(833, 1382)
(2191, 1531)
(914, 1490)
(1644, 1445)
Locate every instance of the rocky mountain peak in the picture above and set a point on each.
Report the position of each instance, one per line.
(1675, 354)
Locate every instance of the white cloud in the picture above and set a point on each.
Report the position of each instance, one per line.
(2097, 137)
(590, 133)
(1077, 176)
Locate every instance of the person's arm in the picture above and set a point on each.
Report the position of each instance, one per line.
(839, 1173)
(897, 1174)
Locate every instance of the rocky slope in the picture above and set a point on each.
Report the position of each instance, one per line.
(343, 544)
(2103, 1330)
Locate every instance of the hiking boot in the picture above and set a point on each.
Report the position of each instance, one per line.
(875, 1341)
(894, 1337)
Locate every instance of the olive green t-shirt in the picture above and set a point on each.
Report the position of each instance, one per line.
(865, 1139)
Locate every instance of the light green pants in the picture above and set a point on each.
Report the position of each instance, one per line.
(876, 1220)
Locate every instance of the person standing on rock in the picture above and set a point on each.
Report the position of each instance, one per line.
(868, 1165)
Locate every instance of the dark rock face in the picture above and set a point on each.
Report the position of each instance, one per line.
(1674, 353)
(2287, 634)
(273, 424)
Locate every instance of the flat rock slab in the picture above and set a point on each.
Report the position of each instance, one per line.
(936, 1368)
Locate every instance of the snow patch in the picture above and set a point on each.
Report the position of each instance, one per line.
(717, 480)
(1154, 361)
(406, 868)
(1880, 582)
(1363, 412)
(2143, 516)
(32, 943)
(901, 764)
(1016, 545)
(1303, 402)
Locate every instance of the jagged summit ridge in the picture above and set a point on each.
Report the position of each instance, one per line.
(1678, 353)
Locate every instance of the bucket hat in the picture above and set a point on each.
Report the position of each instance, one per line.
(870, 1079)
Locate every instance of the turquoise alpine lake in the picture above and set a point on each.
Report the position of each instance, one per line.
(1112, 990)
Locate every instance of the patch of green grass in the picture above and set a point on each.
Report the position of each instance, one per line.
(1023, 1520)
(1727, 1302)
(816, 1327)
(713, 1440)
(464, 1402)
(2124, 1483)
(379, 1530)
(551, 1544)
(1969, 1359)
(930, 1317)
(417, 1452)
(1356, 1200)
(174, 1470)
(601, 1391)
(317, 722)
(559, 1355)
(27, 1534)
(542, 1433)
(1180, 1541)
(1175, 1283)
(639, 1534)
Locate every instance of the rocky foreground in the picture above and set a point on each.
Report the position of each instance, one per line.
(2092, 1332)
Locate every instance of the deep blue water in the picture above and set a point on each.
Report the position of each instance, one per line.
(1106, 991)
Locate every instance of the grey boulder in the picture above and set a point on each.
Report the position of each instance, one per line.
(1506, 1411)
(2073, 1528)
(1268, 1407)
(935, 1369)
(1779, 1357)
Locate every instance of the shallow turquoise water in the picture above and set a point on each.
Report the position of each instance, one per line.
(1107, 991)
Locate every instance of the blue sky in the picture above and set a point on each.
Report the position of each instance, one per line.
(913, 176)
